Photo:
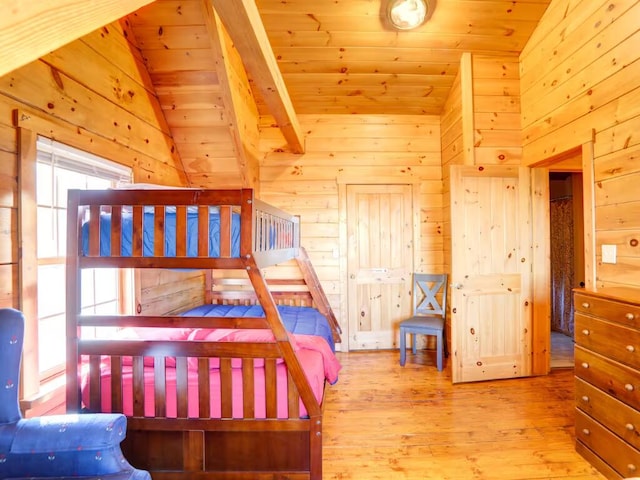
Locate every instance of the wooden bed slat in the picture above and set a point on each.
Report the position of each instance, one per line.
(271, 393)
(204, 388)
(158, 232)
(138, 231)
(95, 388)
(203, 226)
(248, 388)
(138, 386)
(94, 230)
(116, 228)
(182, 387)
(225, 231)
(226, 388)
(117, 398)
(181, 231)
(159, 386)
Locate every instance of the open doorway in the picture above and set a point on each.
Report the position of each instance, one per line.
(566, 218)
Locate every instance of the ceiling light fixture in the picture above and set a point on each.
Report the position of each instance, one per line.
(407, 14)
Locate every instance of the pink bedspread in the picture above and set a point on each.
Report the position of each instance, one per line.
(314, 354)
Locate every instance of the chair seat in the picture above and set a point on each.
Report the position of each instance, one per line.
(423, 322)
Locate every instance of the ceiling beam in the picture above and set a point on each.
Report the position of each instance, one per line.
(31, 29)
(247, 162)
(244, 25)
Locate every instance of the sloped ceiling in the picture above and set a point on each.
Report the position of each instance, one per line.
(218, 65)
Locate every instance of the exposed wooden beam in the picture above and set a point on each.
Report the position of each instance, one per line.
(247, 163)
(242, 20)
(30, 29)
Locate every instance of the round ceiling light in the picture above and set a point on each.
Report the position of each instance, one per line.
(407, 14)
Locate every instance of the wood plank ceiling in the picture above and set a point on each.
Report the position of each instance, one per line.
(331, 56)
(340, 57)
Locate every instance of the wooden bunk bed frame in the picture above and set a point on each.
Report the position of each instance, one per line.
(204, 448)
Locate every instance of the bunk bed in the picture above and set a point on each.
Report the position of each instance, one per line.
(232, 396)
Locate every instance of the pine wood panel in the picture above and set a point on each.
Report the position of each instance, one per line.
(37, 28)
(329, 49)
(583, 62)
(395, 149)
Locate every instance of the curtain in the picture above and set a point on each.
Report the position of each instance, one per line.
(562, 265)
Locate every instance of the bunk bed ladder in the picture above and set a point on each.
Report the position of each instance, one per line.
(319, 297)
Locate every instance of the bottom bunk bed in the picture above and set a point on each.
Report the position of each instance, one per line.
(233, 397)
(218, 403)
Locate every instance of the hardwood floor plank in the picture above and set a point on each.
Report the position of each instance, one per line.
(383, 421)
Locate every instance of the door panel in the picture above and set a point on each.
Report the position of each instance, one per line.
(379, 264)
(491, 234)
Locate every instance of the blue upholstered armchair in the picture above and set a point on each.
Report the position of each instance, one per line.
(57, 446)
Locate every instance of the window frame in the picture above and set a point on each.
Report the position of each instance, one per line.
(29, 126)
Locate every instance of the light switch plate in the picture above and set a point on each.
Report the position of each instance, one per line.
(609, 254)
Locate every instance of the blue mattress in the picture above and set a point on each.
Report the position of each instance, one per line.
(305, 320)
(170, 235)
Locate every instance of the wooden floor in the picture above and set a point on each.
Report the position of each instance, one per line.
(383, 421)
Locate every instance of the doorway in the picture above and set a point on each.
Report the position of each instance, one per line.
(566, 219)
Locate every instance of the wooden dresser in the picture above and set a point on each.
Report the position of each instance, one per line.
(607, 368)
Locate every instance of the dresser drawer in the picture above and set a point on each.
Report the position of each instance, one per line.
(613, 311)
(609, 339)
(621, 419)
(616, 379)
(622, 457)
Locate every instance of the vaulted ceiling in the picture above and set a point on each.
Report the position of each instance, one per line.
(342, 57)
(218, 65)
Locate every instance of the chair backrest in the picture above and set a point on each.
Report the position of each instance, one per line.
(11, 338)
(426, 288)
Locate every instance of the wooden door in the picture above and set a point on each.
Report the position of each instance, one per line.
(379, 263)
(491, 291)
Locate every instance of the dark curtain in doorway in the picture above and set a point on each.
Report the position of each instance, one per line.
(562, 265)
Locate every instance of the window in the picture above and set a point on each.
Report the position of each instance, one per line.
(60, 168)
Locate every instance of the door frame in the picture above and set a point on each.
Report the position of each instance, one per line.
(345, 181)
(541, 347)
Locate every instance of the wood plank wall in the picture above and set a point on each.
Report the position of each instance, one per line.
(496, 110)
(580, 82)
(452, 154)
(356, 149)
(94, 94)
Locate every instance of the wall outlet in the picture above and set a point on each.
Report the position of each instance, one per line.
(609, 254)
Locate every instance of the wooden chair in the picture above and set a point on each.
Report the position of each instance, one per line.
(428, 315)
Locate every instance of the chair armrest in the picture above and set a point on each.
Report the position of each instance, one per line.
(74, 432)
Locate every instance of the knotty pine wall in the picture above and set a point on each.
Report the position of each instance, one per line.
(495, 83)
(580, 82)
(480, 122)
(92, 94)
(354, 149)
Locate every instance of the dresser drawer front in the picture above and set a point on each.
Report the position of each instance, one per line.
(609, 339)
(623, 458)
(621, 419)
(618, 380)
(613, 311)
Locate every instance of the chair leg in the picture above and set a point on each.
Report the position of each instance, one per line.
(403, 347)
(439, 349)
(444, 343)
(414, 341)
